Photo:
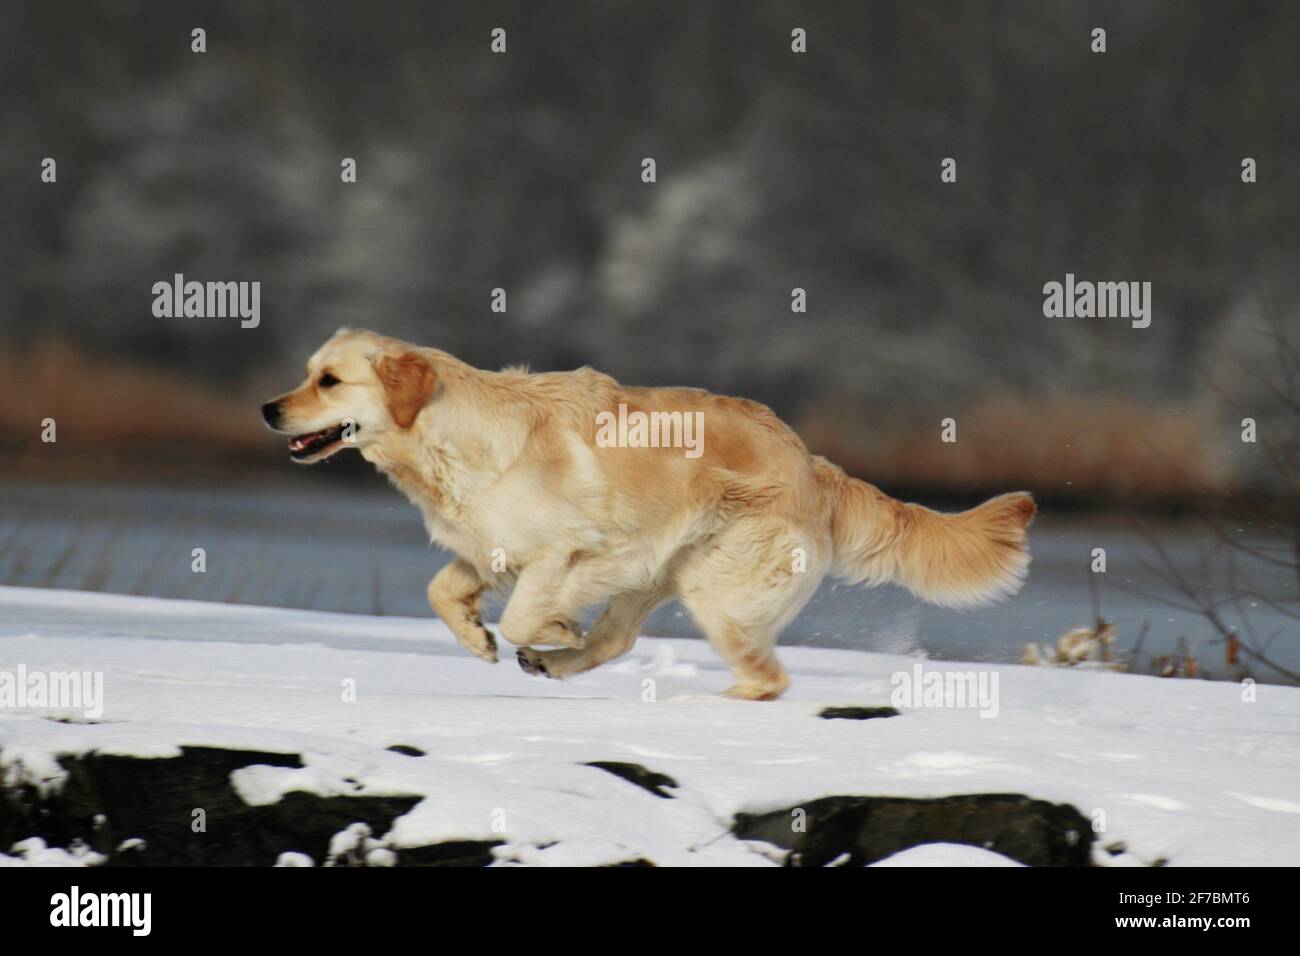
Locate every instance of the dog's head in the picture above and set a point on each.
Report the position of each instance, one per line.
(359, 388)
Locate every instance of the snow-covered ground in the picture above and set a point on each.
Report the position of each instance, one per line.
(1195, 773)
(310, 543)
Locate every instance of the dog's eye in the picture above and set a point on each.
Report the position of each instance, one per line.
(327, 381)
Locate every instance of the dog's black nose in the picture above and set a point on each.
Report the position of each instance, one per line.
(271, 413)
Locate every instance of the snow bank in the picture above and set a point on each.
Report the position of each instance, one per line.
(1195, 773)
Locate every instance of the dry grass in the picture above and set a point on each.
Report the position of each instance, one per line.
(115, 416)
(121, 416)
(1064, 444)
(104, 400)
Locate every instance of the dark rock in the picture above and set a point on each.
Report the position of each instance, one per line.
(153, 799)
(451, 853)
(406, 750)
(639, 775)
(867, 829)
(856, 713)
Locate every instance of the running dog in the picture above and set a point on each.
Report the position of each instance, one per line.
(572, 491)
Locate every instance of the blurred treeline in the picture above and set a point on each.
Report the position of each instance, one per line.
(775, 170)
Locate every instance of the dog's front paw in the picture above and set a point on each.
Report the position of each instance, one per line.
(558, 634)
(480, 642)
(532, 662)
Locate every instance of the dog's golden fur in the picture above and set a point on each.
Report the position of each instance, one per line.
(507, 471)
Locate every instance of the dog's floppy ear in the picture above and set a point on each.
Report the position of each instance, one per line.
(409, 382)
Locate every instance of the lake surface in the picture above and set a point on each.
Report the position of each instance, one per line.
(364, 551)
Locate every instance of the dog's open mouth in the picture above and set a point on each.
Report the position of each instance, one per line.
(313, 443)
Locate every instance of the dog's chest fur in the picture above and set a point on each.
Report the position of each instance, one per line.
(480, 521)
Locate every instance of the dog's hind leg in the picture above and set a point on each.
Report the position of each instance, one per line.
(743, 589)
(748, 648)
(611, 636)
(454, 594)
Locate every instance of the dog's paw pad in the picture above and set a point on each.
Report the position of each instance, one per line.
(531, 662)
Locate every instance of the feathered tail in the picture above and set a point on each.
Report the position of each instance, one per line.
(954, 560)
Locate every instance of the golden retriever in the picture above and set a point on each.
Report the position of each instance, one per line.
(578, 492)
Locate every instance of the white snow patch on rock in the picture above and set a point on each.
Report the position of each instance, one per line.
(946, 854)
